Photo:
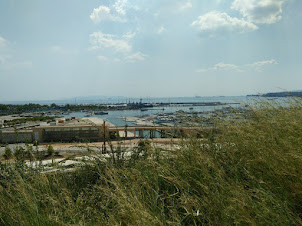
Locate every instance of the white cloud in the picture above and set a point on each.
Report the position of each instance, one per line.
(104, 13)
(202, 70)
(119, 7)
(100, 14)
(23, 64)
(3, 43)
(226, 67)
(5, 55)
(216, 22)
(161, 30)
(258, 66)
(7, 61)
(114, 12)
(129, 35)
(136, 57)
(122, 49)
(99, 40)
(185, 6)
(56, 48)
(62, 50)
(102, 58)
(4, 59)
(10, 65)
(221, 67)
(260, 11)
(107, 59)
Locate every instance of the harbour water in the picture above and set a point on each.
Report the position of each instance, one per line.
(119, 118)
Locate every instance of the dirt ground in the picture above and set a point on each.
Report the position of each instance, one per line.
(114, 143)
(67, 149)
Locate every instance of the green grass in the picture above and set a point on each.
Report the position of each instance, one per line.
(248, 173)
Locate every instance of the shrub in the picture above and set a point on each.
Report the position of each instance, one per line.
(50, 150)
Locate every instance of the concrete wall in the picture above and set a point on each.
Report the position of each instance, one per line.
(13, 137)
(68, 134)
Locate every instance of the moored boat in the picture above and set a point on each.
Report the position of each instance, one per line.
(101, 113)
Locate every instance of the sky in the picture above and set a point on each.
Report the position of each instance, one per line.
(54, 49)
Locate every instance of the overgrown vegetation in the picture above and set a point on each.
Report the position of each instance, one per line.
(8, 109)
(19, 109)
(29, 119)
(249, 173)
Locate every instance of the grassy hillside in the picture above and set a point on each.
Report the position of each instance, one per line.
(248, 173)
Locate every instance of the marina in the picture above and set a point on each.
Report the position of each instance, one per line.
(125, 121)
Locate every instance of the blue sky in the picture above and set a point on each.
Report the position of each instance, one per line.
(156, 48)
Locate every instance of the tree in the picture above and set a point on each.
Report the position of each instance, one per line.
(50, 152)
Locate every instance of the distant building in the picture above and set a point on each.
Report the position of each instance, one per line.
(86, 129)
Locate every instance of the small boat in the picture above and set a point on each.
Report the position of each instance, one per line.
(89, 114)
(101, 113)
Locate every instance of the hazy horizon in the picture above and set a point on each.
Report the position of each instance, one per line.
(54, 50)
(107, 99)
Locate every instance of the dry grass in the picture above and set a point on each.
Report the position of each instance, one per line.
(250, 173)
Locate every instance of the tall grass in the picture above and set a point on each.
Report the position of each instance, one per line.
(248, 173)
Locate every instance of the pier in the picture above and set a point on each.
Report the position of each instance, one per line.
(164, 131)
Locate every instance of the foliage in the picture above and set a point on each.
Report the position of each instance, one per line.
(50, 150)
(20, 154)
(29, 153)
(18, 109)
(143, 147)
(29, 119)
(7, 153)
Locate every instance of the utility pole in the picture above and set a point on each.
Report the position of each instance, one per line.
(104, 127)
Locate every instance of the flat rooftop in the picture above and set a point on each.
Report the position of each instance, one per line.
(80, 122)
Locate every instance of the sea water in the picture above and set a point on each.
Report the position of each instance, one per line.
(119, 117)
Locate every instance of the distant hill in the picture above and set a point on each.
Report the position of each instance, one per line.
(284, 94)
